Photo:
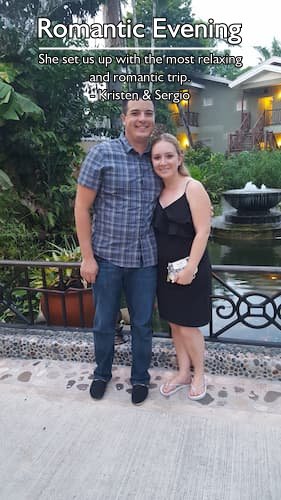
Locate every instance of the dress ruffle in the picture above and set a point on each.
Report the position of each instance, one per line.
(175, 219)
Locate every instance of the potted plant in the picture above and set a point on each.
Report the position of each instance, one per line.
(66, 299)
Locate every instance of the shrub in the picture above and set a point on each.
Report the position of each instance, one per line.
(219, 173)
(199, 155)
(260, 167)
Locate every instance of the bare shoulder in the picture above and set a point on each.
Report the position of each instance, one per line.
(197, 195)
(195, 188)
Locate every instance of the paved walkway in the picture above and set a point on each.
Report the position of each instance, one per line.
(59, 444)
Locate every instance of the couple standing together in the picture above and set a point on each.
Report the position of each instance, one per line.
(144, 216)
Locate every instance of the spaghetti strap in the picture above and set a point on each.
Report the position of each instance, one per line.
(187, 182)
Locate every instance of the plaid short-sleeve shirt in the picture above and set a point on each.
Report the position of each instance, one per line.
(127, 190)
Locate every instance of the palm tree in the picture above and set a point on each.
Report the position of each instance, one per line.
(134, 10)
(112, 14)
(151, 69)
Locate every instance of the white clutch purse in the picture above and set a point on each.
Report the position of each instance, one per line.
(175, 267)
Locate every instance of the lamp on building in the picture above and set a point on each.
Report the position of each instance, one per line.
(184, 103)
(183, 141)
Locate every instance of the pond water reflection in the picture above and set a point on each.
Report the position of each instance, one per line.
(248, 253)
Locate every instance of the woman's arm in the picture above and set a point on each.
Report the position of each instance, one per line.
(200, 207)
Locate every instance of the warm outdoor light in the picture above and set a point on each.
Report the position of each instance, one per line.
(183, 140)
(183, 102)
(173, 108)
(272, 277)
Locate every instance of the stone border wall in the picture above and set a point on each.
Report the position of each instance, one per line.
(220, 359)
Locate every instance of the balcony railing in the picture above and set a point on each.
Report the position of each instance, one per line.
(191, 117)
(229, 308)
(272, 117)
(255, 138)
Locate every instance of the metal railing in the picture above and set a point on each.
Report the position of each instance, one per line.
(255, 310)
(191, 116)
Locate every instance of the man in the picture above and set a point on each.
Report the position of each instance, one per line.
(119, 253)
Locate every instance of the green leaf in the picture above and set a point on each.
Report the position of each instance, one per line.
(9, 113)
(5, 92)
(5, 181)
(51, 219)
(14, 105)
(8, 72)
(27, 106)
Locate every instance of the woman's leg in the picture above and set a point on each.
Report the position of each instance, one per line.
(183, 375)
(193, 341)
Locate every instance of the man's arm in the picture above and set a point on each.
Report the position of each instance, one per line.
(85, 198)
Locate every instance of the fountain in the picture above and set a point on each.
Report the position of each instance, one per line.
(251, 215)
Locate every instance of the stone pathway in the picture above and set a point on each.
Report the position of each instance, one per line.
(56, 443)
(74, 378)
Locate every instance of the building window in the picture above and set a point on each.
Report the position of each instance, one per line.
(208, 101)
(239, 105)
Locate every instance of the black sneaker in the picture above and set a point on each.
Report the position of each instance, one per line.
(97, 388)
(139, 393)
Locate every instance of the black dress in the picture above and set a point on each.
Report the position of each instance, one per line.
(186, 305)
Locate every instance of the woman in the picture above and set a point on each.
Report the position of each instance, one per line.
(182, 227)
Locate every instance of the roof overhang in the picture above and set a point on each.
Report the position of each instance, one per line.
(196, 85)
(209, 78)
(266, 74)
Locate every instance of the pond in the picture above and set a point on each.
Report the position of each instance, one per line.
(245, 252)
(248, 253)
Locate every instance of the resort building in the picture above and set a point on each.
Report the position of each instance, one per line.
(233, 116)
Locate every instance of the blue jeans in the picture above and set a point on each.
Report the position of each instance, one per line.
(139, 285)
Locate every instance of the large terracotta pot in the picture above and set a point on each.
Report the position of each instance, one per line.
(72, 307)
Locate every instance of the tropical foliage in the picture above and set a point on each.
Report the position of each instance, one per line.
(219, 173)
(13, 105)
(265, 53)
(42, 118)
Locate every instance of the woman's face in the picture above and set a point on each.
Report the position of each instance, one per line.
(165, 159)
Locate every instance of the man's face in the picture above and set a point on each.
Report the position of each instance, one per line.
(139, 120)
